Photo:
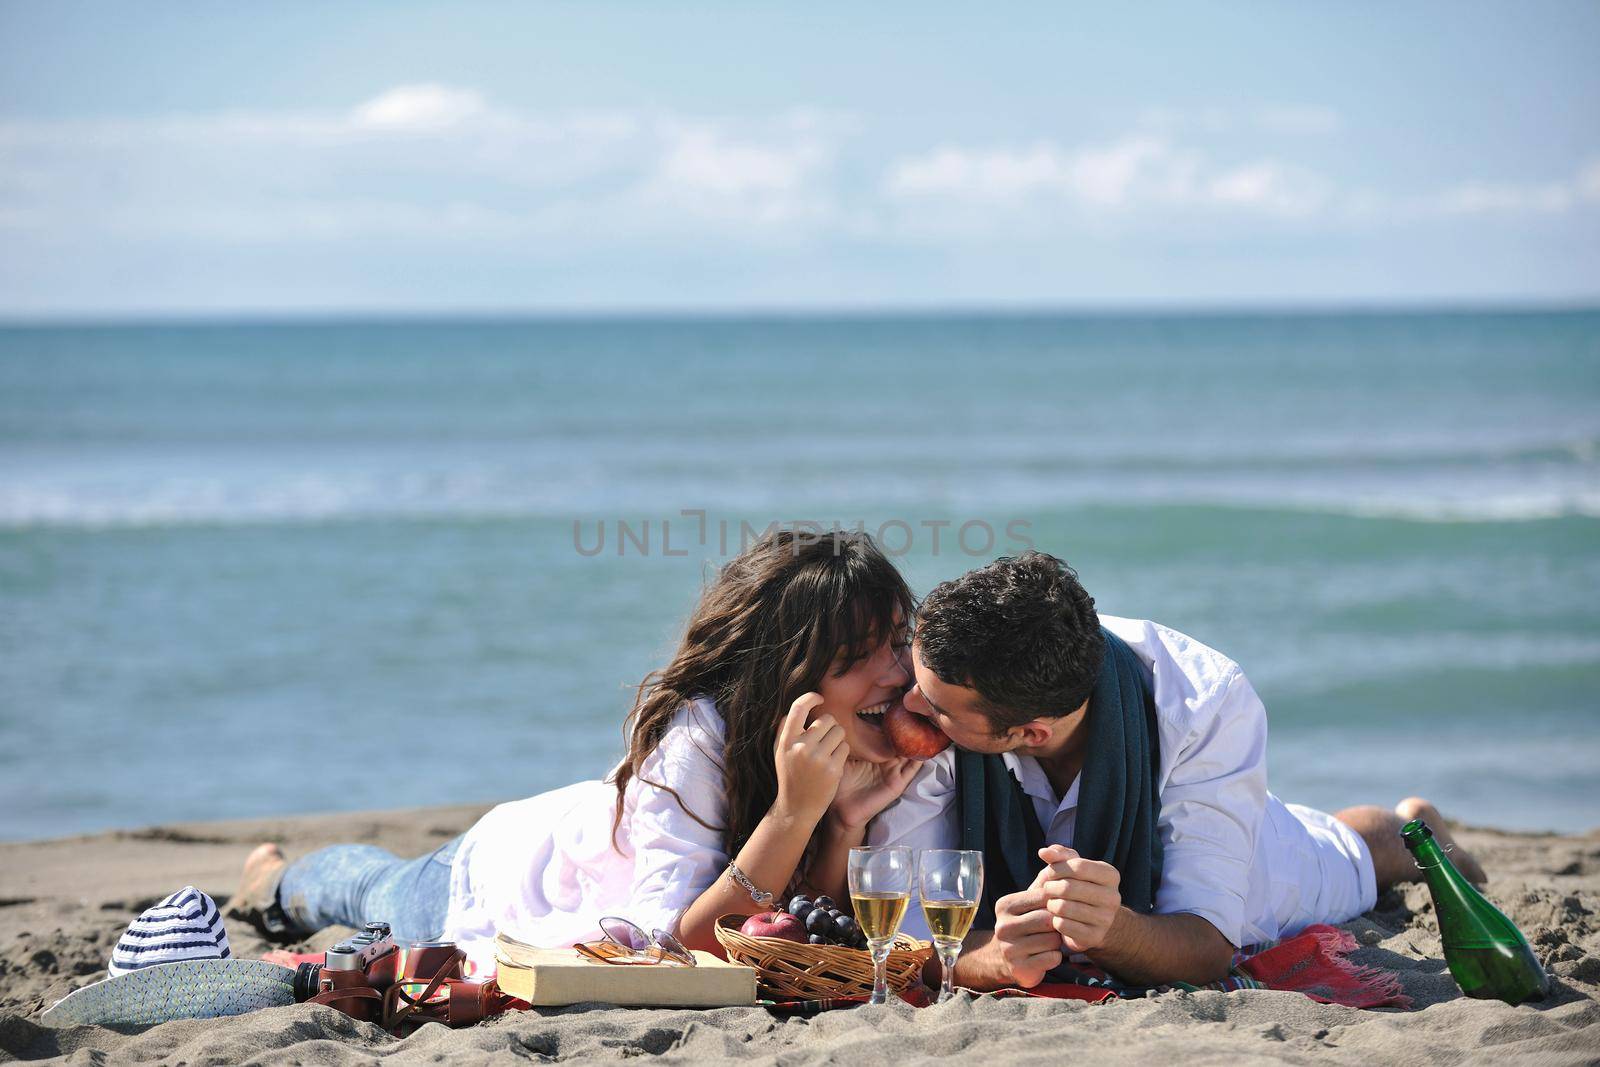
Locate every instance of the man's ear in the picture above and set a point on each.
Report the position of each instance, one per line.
(1036, 732)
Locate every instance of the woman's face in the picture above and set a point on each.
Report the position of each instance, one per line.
(858, 698)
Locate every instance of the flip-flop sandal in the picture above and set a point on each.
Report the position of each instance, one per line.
(187, 989)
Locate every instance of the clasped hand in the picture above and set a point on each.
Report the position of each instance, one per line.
(1070, 907)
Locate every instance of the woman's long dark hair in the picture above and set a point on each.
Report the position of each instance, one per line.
(775, 620)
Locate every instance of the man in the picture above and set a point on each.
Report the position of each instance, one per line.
(1123, 766)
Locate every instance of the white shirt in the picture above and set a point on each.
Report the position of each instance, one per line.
(1234, 854)
(544, 869)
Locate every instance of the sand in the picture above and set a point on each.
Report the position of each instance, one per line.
(63, 904)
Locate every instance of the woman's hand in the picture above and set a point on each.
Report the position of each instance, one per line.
(810, 758)
(867, 788)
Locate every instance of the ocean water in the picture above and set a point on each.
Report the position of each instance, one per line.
(253, 569)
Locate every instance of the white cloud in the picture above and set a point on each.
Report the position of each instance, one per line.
(1270, 187)
(999, 174)
(443, 164)
(1510, 198)
(1134, 172)
(704, 160)
(419, 107)
(1102, 175)
(707, 174)
(775, 176)
(414, 161)
(1589, 181)
(1107, 175)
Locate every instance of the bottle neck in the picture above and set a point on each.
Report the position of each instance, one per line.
(1427, 853)
(1424, 849)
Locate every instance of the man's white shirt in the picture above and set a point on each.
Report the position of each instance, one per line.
(1234, 854)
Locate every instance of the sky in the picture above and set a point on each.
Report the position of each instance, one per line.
(166, 159)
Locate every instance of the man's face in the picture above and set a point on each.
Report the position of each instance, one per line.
(954, 709)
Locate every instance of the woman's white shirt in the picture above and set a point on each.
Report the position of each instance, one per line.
(545, 869)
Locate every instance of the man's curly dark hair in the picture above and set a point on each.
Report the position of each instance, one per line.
(1021, 632)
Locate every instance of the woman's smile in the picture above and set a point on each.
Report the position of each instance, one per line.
(872, 715)
(864, 729)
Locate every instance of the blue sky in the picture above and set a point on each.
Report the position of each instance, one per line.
(160, 158)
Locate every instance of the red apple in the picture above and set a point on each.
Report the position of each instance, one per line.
(774, 924)
(913, 735)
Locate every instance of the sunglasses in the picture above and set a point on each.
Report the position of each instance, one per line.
(626, 944)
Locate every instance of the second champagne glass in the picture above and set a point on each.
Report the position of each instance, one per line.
(880, 889)
(950, 882)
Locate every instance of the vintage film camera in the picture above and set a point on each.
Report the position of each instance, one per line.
(369, 960)
(370, 977)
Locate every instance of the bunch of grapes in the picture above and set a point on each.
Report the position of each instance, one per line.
(826, 924)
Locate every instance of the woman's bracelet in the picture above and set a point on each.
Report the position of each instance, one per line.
(760, 896)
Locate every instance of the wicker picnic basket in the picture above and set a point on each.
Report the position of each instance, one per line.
(789, 970)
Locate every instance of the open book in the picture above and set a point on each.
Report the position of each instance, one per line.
(549, 977)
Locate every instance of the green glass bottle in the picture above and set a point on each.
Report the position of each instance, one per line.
(1488, 956)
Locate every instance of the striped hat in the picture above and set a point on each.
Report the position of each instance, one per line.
(185, 926)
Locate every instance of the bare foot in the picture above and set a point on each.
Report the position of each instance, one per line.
(1418, 808)
(261, 870)
(1391, 860)
(256, 902)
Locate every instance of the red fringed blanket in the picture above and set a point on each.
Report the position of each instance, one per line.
(1316, 962)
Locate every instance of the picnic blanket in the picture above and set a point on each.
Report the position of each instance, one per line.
(1315, 962)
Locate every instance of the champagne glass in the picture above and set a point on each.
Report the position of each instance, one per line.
(951, 884)
(880, 889)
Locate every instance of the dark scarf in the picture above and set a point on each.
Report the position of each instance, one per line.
(1117, 797)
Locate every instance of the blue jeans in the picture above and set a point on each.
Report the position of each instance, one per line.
(350, 885)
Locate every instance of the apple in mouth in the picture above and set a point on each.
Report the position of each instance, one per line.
(913, 736)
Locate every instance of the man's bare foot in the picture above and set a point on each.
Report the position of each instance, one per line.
(256, 902)
(1417, 808)
(1391, 860)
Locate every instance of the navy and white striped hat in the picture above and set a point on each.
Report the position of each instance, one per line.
(185, 926)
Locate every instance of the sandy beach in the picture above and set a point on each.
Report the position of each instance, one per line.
(64, 902)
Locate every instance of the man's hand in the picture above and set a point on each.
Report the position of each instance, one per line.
(1025, 936)
(1081, 896)
(1074, 906)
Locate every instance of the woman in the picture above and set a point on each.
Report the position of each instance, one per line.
(761, 743)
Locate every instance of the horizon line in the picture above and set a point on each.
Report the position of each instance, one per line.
(645, 313)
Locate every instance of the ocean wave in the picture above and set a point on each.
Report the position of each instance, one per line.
(490, 494)
(844, 435)
(1511, 507)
